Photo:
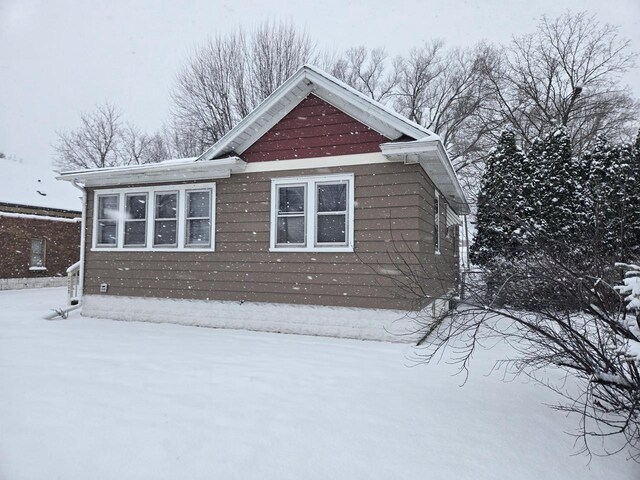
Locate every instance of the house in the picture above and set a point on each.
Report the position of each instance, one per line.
(301, 219)
(39, 226)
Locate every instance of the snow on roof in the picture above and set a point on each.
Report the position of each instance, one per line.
(143, 166)
(25, 184)
(181, 169)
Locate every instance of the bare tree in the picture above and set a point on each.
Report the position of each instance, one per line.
(94, 144)
(447, 92)
(138, 147)
(210, 90)
(228, 76)
(567, 72)
(102, 140)
(274, 52)
(367, 71)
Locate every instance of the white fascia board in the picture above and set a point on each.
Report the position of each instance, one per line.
(383, 115)
(157, 173)
(416, 146)
(219, 147)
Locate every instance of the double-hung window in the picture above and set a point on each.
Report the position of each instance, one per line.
(198, 218)
(331, 213)
(135, 221)
(291, 215)
(107, 220)
(312, 213)
(180, 217)
(165, 227)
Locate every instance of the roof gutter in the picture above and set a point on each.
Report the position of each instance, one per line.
(156, 173)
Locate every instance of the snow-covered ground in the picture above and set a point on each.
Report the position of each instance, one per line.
(86, 398)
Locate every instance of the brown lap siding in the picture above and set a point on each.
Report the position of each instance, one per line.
(389, 202)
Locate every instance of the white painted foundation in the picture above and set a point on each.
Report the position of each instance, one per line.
(40, 282)
(358, 323)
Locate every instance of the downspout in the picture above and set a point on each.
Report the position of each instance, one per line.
(83, 231)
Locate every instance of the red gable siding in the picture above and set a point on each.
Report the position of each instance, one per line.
(314, 128)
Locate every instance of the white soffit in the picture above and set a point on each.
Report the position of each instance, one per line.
(285, 98)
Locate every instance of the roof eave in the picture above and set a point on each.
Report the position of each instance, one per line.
(423, 152)
(156, 173)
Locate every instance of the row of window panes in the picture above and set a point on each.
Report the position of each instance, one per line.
(330, 212)
(165, 221)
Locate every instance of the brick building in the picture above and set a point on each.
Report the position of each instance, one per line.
(39, 226)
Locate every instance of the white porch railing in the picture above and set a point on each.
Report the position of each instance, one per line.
(73, 284)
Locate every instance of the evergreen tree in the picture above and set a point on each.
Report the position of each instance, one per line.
(612, 191)
(558, 183)
(498, 203)
(623, 217)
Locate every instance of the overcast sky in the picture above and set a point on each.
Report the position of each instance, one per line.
(59, 58)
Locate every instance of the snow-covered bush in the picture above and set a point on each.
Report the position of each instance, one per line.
(630, 290)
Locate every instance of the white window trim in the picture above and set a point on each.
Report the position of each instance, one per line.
(191, 246)
(96, 209)
(151, 203)
(310, 218)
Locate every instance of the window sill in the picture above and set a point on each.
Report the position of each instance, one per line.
(313, 249)
(37, 269)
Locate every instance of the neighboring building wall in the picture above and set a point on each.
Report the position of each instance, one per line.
(62, 243)
(392, 213)
(314, 128)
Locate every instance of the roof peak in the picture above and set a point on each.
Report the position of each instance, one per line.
(306, 80)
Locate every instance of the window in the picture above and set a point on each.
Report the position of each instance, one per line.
(331, 212)
(38, 250)
(179, 217)
(436, 222)
(291, 214)
(165, 231)
(107, 234)
(198, 218)
(135, 222)
(312, 213)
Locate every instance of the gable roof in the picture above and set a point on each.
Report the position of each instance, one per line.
(26, 185)
(408, 141)
(309, 79)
